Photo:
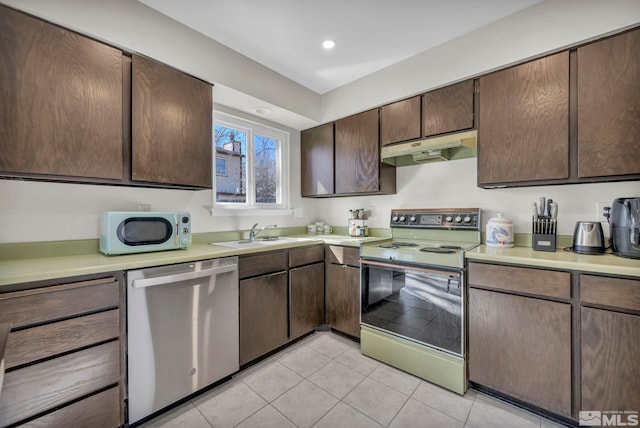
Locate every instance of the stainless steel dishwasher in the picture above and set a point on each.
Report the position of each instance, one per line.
(182, 325)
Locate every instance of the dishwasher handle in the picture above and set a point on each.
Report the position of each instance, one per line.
(170, 279)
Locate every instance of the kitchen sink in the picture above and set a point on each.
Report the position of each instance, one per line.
(258, 242)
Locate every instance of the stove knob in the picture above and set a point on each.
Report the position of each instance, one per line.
(412, 219)
(467, 219)
(394, 219)
(458, 219)
(448, 219)
(402, 219)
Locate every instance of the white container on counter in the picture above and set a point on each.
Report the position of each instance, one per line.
(500, 232)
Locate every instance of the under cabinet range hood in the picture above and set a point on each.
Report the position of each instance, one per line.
(461, 145)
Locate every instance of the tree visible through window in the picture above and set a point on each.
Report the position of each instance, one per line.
(250, 170)
(265, 169)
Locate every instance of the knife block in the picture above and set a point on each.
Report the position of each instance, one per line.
(544, 234)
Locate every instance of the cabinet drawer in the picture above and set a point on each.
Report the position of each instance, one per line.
(37, 388)
(261, 264)
(617, 292)
(22, 308)
(306, 255)
(524, 280)
(98, 411)
(344, 255)
(32, 344)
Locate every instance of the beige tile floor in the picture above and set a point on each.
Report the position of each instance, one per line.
(324, 382)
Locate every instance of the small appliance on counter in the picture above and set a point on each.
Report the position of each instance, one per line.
(127, 232)
(624, 224)
(588, 238)
(357, 224)
(500, 232)
(544, 224)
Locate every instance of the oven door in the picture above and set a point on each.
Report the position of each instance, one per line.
(424, 305)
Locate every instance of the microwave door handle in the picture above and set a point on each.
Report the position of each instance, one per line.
(171, 279)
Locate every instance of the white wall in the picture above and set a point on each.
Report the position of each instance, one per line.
(453, 185)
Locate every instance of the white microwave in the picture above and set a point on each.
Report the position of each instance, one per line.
(127, 232)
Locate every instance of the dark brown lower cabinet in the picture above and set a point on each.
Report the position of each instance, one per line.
(64, 356)
(610, 360)
(521, 346)
(263, 315)
(610, 343)
(281, 298)
(306, 286)
(343, 298)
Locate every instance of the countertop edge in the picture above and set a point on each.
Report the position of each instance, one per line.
(609, 264)
(22, 271)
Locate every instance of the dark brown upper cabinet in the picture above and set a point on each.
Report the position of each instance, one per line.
(171, 126)
(609, 106)
(61, 106)
(316, 160)
(358, 169)
(448, 109)
(524, 123)
(400, 121)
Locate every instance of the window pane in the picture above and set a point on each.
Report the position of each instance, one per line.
(221, 166)
(231, 146)
(266, 169)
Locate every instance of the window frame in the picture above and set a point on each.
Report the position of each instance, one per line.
(251, 207)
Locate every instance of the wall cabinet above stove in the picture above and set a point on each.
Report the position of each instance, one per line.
(448, 109)
(400, 121)
(67, 112)
(570, 117)
(358, 169)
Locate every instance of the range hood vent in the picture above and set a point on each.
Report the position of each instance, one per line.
(447, 147)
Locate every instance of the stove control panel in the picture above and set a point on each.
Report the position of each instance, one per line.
(455, 218)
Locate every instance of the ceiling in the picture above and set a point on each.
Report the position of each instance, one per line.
(286, 35)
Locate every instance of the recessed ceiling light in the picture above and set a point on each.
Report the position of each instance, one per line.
(263, 110)
(328, 44)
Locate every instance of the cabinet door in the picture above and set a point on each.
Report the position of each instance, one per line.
(521, 346)
(357, 154)
(524, 122)
(609, 106)
(610, 360)
(61, 104)
(400, 121)
(171, 120)
(263, 315)
(448, 109)
(316, 160)
(306, 287)
(343, 298)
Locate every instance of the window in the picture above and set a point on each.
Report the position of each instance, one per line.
(221, 166)
(251, 165)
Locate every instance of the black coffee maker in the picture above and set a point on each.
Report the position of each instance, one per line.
(625, 227)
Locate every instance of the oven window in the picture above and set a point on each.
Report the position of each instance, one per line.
(423, 306)
(145, 230)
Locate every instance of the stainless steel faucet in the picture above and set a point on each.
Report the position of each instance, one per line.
(253, 233)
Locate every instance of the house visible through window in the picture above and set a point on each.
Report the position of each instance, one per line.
(251, 166)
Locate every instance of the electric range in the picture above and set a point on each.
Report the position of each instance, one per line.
(413, 293)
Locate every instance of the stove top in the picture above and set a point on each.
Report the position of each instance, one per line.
(431, 237)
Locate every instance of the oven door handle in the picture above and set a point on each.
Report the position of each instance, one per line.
(396, 266)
